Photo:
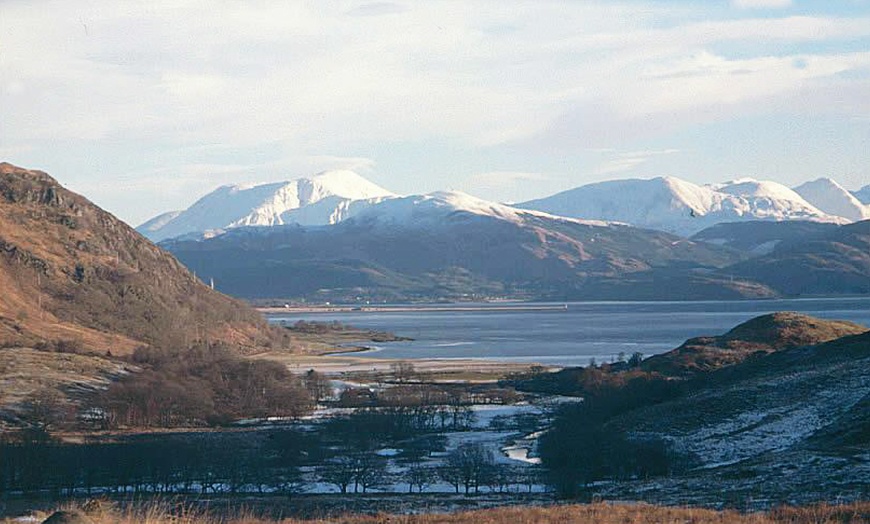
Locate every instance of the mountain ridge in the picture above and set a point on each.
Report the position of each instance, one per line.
(680, 207)
(443, 245)
(664, 203)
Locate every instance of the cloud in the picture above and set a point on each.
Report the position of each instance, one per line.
(217, 86)
(761, 4)
(629, 160)
(494, 178)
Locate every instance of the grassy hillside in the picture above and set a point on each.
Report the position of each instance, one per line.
(75, 275)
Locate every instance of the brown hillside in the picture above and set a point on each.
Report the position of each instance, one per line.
(73, 274)
(767, 333)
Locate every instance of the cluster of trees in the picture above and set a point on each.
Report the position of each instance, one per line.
(208, 384)
(581, 447)
(276, 461)
(468, 468)
(199, 463)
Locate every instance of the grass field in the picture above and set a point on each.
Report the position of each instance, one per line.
(602, 513)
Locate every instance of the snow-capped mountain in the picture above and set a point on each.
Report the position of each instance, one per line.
(834, 199)
(681, 207)
(156, 223)
(447, 208)
(326, 198)
(452, 245)
(863, 194)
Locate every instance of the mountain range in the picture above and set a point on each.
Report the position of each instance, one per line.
(454, 246)
(666, 203)
(337, 237)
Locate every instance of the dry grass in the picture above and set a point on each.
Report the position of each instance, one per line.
(25, 371)
(602, 513)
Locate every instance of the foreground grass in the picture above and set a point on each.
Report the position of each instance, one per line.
(604, 513)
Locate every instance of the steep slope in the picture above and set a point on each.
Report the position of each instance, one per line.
(443, 245)
(834, 199)
(680, 207)
(759, 237)
(836, 262)
(75, 276)
(326, 198)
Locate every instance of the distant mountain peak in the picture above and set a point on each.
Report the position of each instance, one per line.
(325, 198)
(834, 199)
(678, 206)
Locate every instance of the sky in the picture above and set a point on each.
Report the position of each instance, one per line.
(144, 107)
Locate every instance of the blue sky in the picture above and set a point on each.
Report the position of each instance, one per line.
(146, 106)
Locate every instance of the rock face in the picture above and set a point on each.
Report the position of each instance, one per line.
(67, 517)
(75, 275)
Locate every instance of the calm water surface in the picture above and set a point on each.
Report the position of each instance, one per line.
(572, 336)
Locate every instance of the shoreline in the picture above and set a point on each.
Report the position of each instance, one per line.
(338, 364)
(408, 309)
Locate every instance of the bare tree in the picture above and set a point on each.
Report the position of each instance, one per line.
(420, 477)
(339, 472)
(469, 465)
(318, 386)
(403, 371)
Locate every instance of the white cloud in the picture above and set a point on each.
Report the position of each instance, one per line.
(192, 77)
(629, 160)
(761, 4)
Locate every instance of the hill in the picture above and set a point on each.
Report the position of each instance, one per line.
(834, 262)
(445, 245)
(786, 423)
(76, 278)
(764, 334)
(758, 237)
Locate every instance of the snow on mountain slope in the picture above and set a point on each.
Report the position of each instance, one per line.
(834, 199)
(678, 206)
(158, 222)
(863, 194)
(326, 198)
(445, 208)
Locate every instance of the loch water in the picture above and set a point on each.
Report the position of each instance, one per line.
(572, 335)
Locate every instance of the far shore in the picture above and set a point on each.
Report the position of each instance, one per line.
(406, 309)
(338, 364)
